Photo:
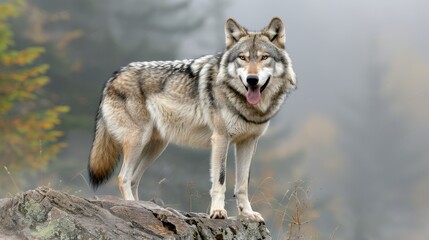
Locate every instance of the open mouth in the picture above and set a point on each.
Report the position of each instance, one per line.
(253, 95)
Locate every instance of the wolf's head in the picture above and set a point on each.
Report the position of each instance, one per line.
(258, 60)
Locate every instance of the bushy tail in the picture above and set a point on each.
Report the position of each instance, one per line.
(104, 156)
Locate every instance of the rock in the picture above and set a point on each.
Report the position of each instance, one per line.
(44, 213)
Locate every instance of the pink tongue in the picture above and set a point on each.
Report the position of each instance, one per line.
(253, 96)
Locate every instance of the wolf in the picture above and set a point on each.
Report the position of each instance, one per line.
(212, 101)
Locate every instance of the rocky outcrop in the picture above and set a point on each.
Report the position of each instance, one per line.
(44, 213)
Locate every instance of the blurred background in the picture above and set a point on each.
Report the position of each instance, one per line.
(346, 158)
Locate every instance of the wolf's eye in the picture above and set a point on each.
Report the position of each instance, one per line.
(265, 57)
(242, 58)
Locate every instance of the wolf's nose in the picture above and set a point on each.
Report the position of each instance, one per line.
(252, 80)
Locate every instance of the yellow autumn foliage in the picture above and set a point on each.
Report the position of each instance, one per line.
(28, 139)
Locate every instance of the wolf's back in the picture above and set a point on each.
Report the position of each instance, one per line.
(104, 155)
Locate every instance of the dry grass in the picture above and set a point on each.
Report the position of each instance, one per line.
(192, 193)
(291, 213)
(12, 180)
(295, 212)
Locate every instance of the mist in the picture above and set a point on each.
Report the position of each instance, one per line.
(348, 149)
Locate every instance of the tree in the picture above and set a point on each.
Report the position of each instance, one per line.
(28, 139)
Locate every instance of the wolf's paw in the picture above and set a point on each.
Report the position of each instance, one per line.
(218, 214)
(254, 216)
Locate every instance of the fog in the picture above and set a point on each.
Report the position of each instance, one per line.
(349, 145)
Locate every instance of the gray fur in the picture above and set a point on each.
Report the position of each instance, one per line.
(204, 102)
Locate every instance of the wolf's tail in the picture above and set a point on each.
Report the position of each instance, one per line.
(104, 155)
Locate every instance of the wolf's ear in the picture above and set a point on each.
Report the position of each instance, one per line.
(275, 31)
(233, 32)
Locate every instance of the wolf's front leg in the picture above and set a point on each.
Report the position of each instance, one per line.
(243, 157)
(220, 145)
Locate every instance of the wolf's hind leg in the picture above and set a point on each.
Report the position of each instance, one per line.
(151, 152)
(243, 157)
(132, 148)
